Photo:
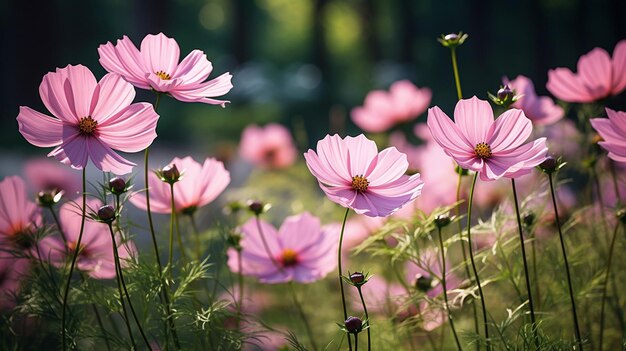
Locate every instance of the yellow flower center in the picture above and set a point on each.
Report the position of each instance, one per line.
(360, 183)
(71, 245)
(87, 125)
(483, 150)
(289, 258)
(163, 75)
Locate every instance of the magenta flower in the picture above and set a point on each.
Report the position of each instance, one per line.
(199, 185)
(45, 174)
(382, 110)
(96, 254)
(598, 76)
(155, 66)
(353, 174)
(12, 270)
(613, 131)
(540, 109)
(302, 250)
(270, 146)
(476, 142)
(19, 217)
(93, 118)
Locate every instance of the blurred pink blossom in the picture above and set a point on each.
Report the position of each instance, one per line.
(155, 66)
(613, 132)
(539, 109)
(563, 139)
(355, 175)
(495, 149)
(270, 146)
(358, 229)
(45, 174)
(429, 268)
(598, 76)
(96, 250)
(301, 250)
(382, 110)
(93, 118)
(19, 217)
(199, 185)
(12, 270)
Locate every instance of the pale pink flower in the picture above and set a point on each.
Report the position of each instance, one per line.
(45, 174)
(270, 146)
(380, 295)
(155, 66)
(358, 229)
(382, 110)
(476, 142)
(19, 217)
(613, 132)
(93, 118)
(353, 174)
(199, 185)
(301, 250)
(96, 254)
(429, 269)
(12, 270)
(540, 109)
(598, 76)
(563, 139)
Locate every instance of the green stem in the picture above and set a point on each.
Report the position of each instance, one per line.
(569, 278)
(118, 267)
(367, 317)
(457, 80)
(356, 342)
(606, 282)
(305, 321)
(179, 238)
(533, 248)
(170, 258)
(343, 296)
(74, 257)
(445, 289)
(240, 286)
(471, 252)
(269, 252)
(526, 274)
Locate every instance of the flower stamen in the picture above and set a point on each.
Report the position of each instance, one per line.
(483, 150)
(360, 183)
(289, 258)
(163, 75)
(87, 125)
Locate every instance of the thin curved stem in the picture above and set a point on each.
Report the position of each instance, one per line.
(120, 274)
(74, 257)
(455, 68)
(269, 252)
(445, 289)
(356, 342)
(343, 296)
(240, 286)
(471, 252)
(569, 278)
(606, 283)
(170, 258)
(367, 317)
(526, 274)
(305, 320)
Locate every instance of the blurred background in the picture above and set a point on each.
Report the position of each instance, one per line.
(302, 63)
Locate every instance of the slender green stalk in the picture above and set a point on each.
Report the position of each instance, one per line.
(56, 220)
(305, 320)
(606, 283)
(120, 276)
(455, 68)
(445, 289)
(533, 248)
(179, 238)
(367, 317)
(569, 278)
(356, 342)
(240, 286)
(471, 252)
(170, 258)
(269, 252)
(74, 257)
(526, 274)
(343, 296)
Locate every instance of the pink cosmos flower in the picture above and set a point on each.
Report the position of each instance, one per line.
(598, 76)
(382, 110)
(93, 118)
(270, 146)
(540, 109)
(19, 217)
(155, 66)
(358, 229)
(96, 255)
(353, 174)
(613, 132)
(302, 250)
(12, 269)
(45, 174)
(478, 143)
(199, 185)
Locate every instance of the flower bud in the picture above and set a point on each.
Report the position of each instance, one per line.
(257, 207)
(169, 174)
(47, 198)
(234, 239)
(452, 40)
(549, 165)
(621, 215)
(106, 214)
(528, 218)
(423, 283)
(117, 185)
(505, 93)
(442, 220)
(353, 325)
(357, 278)
(451, 36)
